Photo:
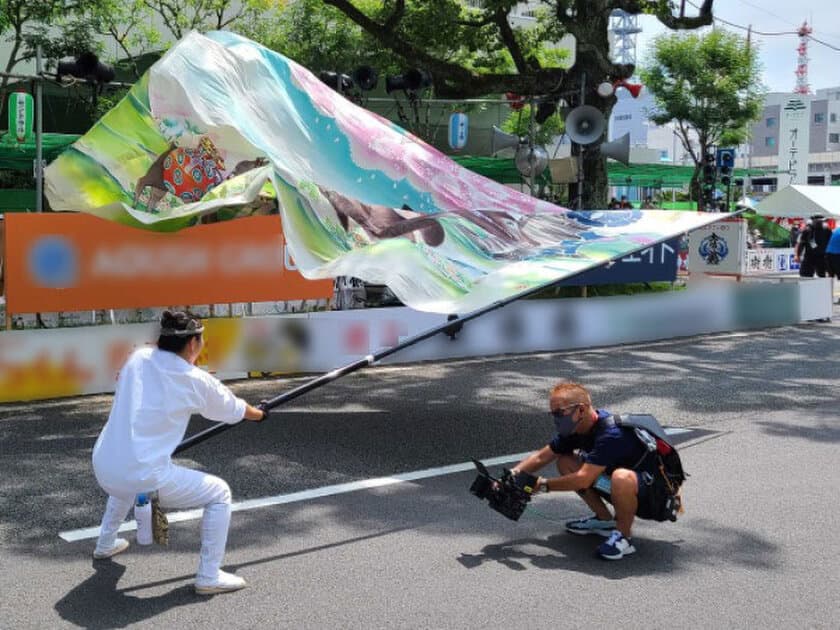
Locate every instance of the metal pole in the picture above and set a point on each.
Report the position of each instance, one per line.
(39, 130)
(581, 149)
(531, 156)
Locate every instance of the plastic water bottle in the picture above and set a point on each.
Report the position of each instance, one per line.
(143, 516)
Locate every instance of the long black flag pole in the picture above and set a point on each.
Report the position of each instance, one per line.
(451, 326)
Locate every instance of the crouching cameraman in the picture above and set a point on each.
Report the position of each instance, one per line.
(586, 445)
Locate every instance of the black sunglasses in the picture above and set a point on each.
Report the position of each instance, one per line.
(559, 413)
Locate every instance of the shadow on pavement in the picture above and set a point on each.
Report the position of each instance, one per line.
(823, 433)
(97, 603)
(711, 543)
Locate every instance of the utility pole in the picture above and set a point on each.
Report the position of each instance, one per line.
(581, 147)
(532, 158)
(39, 131)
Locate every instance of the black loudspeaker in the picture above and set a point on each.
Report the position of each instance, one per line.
(365, 77)
(339, 82)
(88, 67)
(412, 80)
(545, 111)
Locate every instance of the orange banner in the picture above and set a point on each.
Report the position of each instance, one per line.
(76, 262)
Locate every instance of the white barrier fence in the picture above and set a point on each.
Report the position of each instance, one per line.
(38, 364)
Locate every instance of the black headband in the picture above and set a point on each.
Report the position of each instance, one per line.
(193, 328)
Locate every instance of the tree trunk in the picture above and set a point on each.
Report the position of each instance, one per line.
(695, 190)
(591, 69)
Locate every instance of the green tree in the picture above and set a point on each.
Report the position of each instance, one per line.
(182, 16)
(518, 123)
(66, 28)
(318, 37)
(141, 26)
(24, 24)
(709, 86)
(473, 52)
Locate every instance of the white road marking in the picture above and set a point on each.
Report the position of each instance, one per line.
(325, 491)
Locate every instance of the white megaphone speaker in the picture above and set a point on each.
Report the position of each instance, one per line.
(618, 150)
(585, 124)
(500, 140)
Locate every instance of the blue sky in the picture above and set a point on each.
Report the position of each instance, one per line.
(778, 53)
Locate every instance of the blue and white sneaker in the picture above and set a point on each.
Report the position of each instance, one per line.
(616, 547)
(590, 525)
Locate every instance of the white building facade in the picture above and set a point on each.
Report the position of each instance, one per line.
(797, 138)
(649, 143)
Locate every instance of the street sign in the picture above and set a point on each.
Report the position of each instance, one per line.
(725, 158)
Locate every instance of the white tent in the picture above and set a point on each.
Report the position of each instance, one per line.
(801, 201)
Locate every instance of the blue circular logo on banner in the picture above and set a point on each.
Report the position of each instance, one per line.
(53, 262)
(713, 249)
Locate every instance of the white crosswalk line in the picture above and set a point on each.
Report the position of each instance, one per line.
(325, 491)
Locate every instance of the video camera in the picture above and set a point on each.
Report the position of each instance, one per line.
(508, 495)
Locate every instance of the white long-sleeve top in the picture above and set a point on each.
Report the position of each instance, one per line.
(157, 392)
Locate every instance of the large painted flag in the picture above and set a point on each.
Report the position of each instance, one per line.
(222, 127)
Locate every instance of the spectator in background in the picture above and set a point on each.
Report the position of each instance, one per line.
(832, 257)
(795, 229)
(625, 203)
(614, 204)
(755, 240)
(647, 204)
(811, 248)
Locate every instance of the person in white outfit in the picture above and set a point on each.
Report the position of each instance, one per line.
(157, 391)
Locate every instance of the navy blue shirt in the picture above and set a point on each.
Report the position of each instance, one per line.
(606, 445)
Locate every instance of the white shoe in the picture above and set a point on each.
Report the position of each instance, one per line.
(120, 545)
(224, 583)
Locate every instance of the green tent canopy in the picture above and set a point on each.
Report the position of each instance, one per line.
(21, 156)
(662, 175)
(503, 170)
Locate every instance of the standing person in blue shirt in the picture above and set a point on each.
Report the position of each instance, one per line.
(158, 389)
(832, 256)
(587, 444)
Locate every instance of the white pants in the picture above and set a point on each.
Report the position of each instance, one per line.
(186, 488)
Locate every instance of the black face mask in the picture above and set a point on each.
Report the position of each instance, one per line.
(564, 425)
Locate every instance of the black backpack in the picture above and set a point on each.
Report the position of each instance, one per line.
(658, 445)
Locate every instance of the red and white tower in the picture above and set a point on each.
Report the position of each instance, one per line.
(802, 86)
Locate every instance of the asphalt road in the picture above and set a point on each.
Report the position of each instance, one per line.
(756, 547)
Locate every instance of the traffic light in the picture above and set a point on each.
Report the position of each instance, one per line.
(725, 164)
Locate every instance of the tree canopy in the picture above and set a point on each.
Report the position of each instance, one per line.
(469, 49)
(472, 51)
(708, 85)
